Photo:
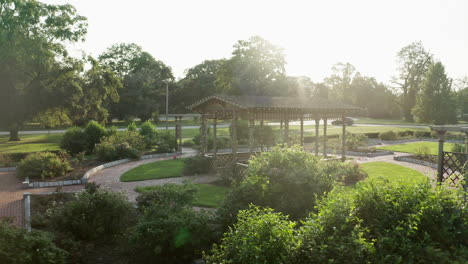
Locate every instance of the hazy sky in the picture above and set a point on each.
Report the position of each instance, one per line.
(314, 34)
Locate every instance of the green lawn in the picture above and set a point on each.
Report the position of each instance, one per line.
(380, 172)
(30, 143)
(155, 170)
(418, 147)
(208, 195)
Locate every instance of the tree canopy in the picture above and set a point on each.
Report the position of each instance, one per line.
(31, 52)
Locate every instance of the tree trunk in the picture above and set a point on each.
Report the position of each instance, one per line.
(14, 136)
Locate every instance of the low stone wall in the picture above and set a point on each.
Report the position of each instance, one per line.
(7, 169)
(415, 161)
(84, 179)
(86, 176)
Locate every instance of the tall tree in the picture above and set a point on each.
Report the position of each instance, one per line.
(97, 85)
(199, 82)
(253, 69)
(121, 58)
(435, 103)
(414, 62)
(340, 82)
(143, 77)
(31, 37)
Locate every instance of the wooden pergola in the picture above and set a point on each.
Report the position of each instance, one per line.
(261, 108)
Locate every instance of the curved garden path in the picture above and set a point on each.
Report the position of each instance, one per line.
(110, 177)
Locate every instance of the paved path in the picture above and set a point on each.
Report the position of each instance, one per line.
(110, 177)
(11, 196)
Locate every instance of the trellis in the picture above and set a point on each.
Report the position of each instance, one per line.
(452, 166)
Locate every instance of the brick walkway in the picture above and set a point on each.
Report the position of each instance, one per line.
(11, 196)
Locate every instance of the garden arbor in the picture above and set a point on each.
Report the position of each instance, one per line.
(262, 108)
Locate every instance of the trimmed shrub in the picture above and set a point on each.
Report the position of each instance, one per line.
(422, 134)
(197, 165)
(389, 135)
(406, 133)
(94, 132)
(96, 214)
(18, 246)
(126, 144)
(74, 140)
(149, 132)
(132, 126)
(345, 172)
(259, 236)
(166, 142)
(42, 165)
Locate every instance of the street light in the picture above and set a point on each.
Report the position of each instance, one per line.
(167, 101)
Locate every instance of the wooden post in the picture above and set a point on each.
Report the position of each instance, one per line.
(466, 164)
(286, 131)
(251, 135)
(261, 135)
(317, 126)
(302, 130)
(234, 136)
(343, 143)
(440, 156)
(325, 137)
(215, 145)
(180, 134)
(203, 134)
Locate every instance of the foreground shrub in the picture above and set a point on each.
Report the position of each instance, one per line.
(387, 223)
(149, 133)
(174, 195)
(389, 135)
(126, 144)
(74, 140)
(18, 246)
(94, 132)
(259, 236)
(288, 180)
(96, 214)
(345, 172)
(197, 165)
(169, 230)
(43, 165)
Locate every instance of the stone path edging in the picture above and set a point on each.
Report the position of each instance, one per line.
(7, 169)
(415, 161)
(27, 184)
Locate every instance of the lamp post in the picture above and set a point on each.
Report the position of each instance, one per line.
(167, 101)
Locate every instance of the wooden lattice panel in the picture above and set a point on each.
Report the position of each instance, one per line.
(453, 167)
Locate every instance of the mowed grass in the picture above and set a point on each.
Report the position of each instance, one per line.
(30, 143)
(208, 195)
(380, 172)
(366, 120)
(155, 170)
(430, 148)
